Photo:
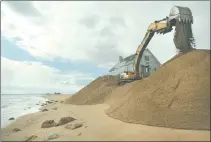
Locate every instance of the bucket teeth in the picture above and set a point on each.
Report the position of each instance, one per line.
(185, 20)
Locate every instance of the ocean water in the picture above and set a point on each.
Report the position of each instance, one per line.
(18, 105)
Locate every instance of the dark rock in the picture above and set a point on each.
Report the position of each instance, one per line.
(43, 104)
(49, 102)
(56, 101)
(44, 110)
(73, 125)
(16, 129)
(12, 118)
(79, 134)
(61, 101)
(57, 93)
(48, 124)
(53, 136)
(55, 108)
(65, 120)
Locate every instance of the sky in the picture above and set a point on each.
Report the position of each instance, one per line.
(61, 46)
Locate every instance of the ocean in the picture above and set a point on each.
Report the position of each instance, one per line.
(18, 105)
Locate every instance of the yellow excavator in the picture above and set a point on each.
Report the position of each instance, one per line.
(181, 18)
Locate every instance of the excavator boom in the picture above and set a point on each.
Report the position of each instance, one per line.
(158, 27)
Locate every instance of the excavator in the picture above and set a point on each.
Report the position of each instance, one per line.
(181, 18)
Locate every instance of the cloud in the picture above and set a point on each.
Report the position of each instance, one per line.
(117, 21)
(107, 31)
(107, 49)
(25, 8)
(90, 22)
(34, 77)
(97, 32)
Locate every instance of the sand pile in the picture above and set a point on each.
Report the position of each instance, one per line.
(177, 95)
(95, 92)
(118, 93)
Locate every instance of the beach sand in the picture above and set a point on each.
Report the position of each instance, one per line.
(96, 126)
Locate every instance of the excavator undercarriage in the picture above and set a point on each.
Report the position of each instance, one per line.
(181, 18)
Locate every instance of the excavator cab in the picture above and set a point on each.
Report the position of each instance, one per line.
(127, 74)
(126, 77)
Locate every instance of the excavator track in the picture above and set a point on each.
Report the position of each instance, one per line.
(123, 82)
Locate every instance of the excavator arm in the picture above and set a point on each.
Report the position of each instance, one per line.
(160, 26)
(153, 27)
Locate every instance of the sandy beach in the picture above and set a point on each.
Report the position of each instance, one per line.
(96, 126)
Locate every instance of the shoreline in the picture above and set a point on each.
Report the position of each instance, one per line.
(95, 126)
(28, 109)
(48, 97)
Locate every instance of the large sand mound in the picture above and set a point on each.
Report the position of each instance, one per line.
(96, 92)
(177, 95)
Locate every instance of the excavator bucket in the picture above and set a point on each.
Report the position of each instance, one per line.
(182, 14)
(182, 19)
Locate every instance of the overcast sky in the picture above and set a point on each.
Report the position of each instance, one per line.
(62, 46)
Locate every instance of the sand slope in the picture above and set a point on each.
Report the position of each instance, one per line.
(94, 93)
(177, 95)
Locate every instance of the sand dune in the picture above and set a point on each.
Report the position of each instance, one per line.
(94, 93)
(177, 95)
